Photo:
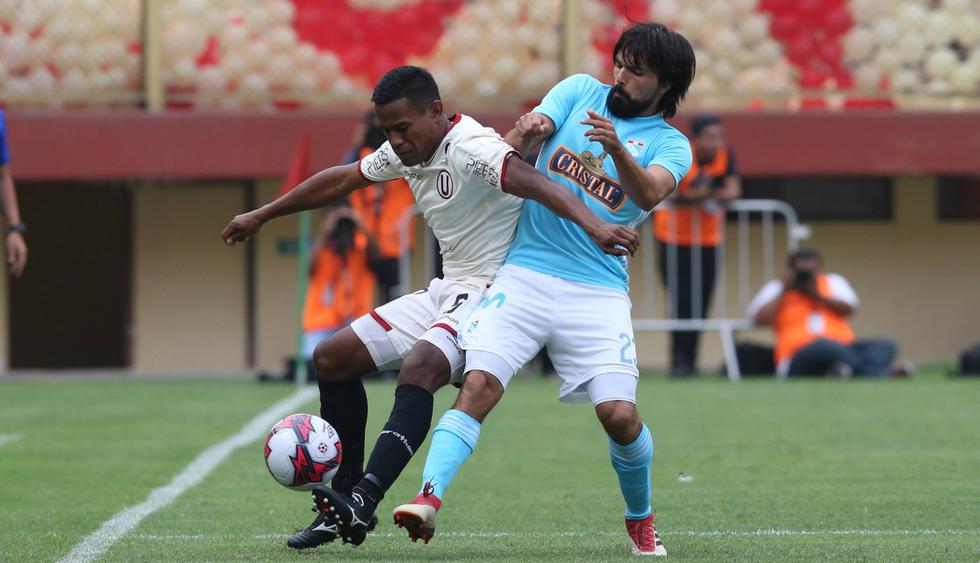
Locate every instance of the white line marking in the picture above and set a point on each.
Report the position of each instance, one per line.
(689, 533)
(95, 544)
(8, 438)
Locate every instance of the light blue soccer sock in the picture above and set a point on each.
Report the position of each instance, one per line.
(632, 465)
(453, 440)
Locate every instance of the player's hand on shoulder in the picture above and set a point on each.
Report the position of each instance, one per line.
(532, 125)
(242, 227)
(602, 132)
(615, 239)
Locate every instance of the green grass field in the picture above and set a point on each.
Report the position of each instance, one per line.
(801, 470)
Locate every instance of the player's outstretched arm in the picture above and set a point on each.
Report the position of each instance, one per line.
(523, 180)
(322, 188)
(645, 186)
(529, 132)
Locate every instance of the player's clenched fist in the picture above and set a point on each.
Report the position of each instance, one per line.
(241, 228)
(533, 125)
(615, 239)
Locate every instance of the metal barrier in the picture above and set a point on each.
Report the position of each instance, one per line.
(724, 321)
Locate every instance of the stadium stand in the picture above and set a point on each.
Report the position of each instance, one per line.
(752, 54)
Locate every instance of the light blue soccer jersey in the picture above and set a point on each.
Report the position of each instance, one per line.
(549, 244)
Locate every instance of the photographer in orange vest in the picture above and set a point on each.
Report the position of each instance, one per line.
(341, 284)
(808, 311)
(696, 219)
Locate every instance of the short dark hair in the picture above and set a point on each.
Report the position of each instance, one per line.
(665, 52)
(700, 122)
(803, 254)
(411, 82)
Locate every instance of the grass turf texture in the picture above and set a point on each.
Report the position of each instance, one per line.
(873, 461)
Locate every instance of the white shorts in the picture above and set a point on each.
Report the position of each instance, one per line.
(587, 330)
(435, 314)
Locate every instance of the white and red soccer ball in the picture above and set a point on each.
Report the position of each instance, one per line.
(302, 451)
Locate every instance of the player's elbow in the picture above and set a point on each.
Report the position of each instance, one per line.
(646, 204)
(652, 196)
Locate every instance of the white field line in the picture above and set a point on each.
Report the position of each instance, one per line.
(95, 544)
(688, 533)
(8, 438)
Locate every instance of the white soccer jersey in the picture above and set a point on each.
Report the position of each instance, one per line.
(459, 193)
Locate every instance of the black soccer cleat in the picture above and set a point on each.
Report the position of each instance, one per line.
(316, 534)
(353, 520)
(321, 531)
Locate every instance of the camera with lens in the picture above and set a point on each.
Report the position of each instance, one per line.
(803, 279)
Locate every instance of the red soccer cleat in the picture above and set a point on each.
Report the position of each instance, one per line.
(419, 516)
(644, 539)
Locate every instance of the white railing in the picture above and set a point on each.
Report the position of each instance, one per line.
(725, 321)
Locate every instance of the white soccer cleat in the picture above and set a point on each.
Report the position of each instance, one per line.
(644, 539)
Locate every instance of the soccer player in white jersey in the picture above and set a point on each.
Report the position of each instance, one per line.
(470, 191)
(610, 146)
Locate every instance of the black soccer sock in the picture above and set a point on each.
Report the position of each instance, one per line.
(401, 437)
(344, 405)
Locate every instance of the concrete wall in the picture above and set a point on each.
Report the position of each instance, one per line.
(916, 278)
(277, 309)
(188, 294)
(913, 275)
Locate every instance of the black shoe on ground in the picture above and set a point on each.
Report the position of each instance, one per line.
(322, 530)
(347, 512)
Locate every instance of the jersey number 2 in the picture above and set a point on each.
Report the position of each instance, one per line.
(628, 343)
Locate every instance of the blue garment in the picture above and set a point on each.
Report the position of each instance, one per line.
(453, 440)
(632, 465)
(549, 244)
(4, 153)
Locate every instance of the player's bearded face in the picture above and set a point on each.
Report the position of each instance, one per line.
(636, 89)
(622, 104)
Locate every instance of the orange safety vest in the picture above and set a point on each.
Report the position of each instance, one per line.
(381, 207)
(800, 320)
(676, 226)
(341, 288)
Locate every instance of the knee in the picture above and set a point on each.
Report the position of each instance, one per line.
(329, 367)
(620, 420)
(425, 367)
(480, 393)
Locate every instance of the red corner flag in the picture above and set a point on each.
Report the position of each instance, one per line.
(299, 168)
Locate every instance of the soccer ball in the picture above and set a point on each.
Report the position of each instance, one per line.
(302, 451)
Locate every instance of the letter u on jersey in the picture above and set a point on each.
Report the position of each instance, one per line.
(587, 174)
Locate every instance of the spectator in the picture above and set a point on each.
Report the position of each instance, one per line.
(341, 280)
(808, 311)
(15, 244)
(695, 219)
(381, 207)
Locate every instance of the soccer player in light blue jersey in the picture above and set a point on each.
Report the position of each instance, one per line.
(611, 147)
